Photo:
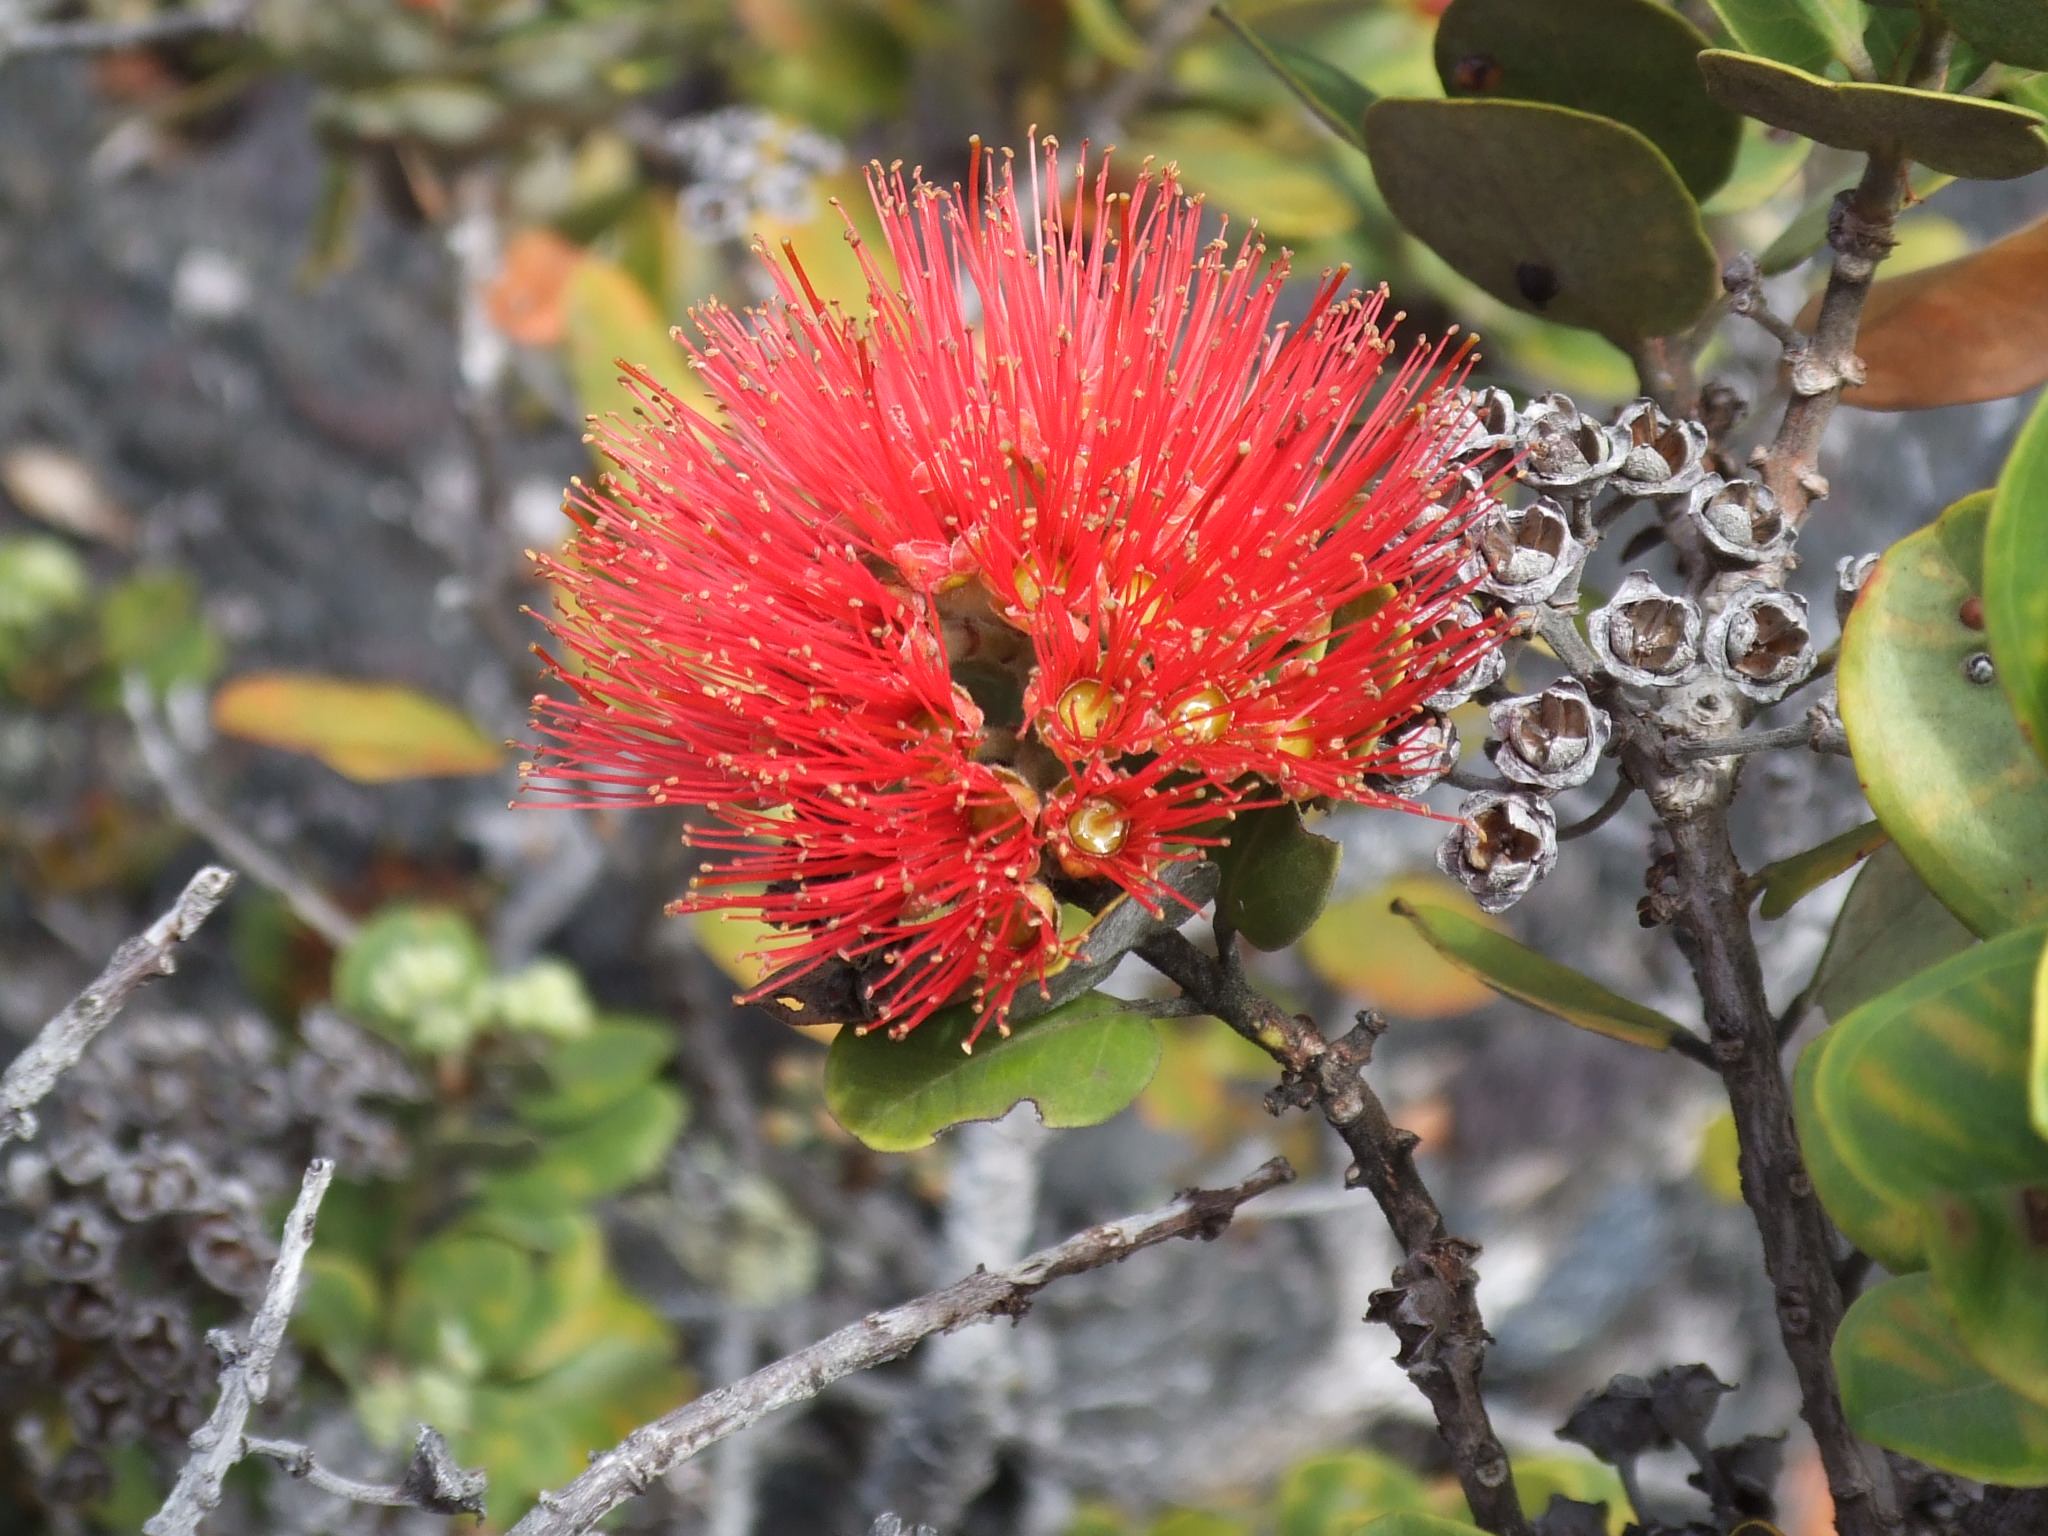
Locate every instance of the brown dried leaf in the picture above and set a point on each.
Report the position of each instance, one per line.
(1971, 329)
(528, 298)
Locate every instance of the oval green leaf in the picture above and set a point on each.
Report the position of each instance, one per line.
(1962, 135)
(1410, 1522)
(1809, 34)
(1517, 971)
(418, 973)
(2016, 595)
(1924, 1088)
(1517, 196)
(1336, 99)
(1909, 1384)
(1629, 60)
(592, 1074)
(373, 733)
(618, 1149)
(1941, 758)
(1786, 881)
(2011, 31)
(1080, 1064)
(1988, 1252)
(1333, 1495)
(1890, 928)
(462, 1303)
(1277, 876)
(339, 1311)
(1886, 1229)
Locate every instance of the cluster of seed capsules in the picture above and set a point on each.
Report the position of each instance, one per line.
(1570, 476)
(142, 1217)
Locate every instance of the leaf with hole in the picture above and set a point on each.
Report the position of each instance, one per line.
(1910, 1385)
(1517, 971)
(1810, 34)
(1925, 1088)
(1983, 140)
(1955, 332)
(1787, 881)
(1277, 876)
(2016, 595)
(374, 733)
(1891, 927)
(1518, 197)
(1987, 1250)
(1363, 946)
(1079, 1064)
(1886, 1228)
(1628, 60)
(1940, 756)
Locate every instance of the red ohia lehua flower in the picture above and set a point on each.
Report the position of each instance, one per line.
(1018, 589)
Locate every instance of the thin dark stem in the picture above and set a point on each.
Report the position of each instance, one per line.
(1609, 809)
(1432, 1304)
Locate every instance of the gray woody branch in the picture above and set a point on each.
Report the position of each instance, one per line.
(100, 37)
(65, 1038)
(629, 1467)
(245, 1370)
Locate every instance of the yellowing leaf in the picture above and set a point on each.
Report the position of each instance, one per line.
(612, 323)
(830, 261)
(1363, 946)
(370, 732)
(1718, 1166)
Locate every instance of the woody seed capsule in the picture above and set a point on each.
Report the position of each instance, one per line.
(1645, 636)
(1565, 449)
(1502, 846)
(1739, 518)
(1530, 552)
(1550, 740)
(1760, 641)
(1418, 754)
(1663, 457)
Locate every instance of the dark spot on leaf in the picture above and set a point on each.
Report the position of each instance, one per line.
(1478, 72)
(1536, 282)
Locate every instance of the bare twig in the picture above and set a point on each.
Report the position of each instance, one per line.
(1432, 1305)
(432, 1480)
(629, 1467)
(1800, 733)
(311, 905)
(64, 1039)
(245, 1370)
(108, 37)
(1609, 809)
(1176, 23)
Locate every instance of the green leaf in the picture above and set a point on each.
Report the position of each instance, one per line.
(1362, 946)
(1410, 1522)
(1941, 758)
(1629, 60)
(1886, 1229)
(1909, 1384)
(1276, 876)
(370, 732)
(1293, 196)
(2016, 596)
(619, 1149)
(1786, 881)
(1890, 928)
(417, 973)
(1538, 1479)
(1924, 1089)
(151, 623)
(1765, 160)
(462, 1302)
(1983, 140)
(2011, 31)
(1809, 34)
(1517, 971)
(1517, 197)
(339, 1311)
(1988, 1252)
(1080, 1064)
(1333, 1495)
(1336, 99)
(592, 1074)
(2037, 1061)
(41, 581)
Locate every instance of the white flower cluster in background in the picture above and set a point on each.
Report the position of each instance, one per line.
(743, 162)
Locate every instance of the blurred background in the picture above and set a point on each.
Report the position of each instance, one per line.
(302, 306)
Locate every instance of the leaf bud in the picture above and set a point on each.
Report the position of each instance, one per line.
(1662, 457)
(1503, 844)
(1645, 636)
(1550, 740)
(1760, 641)
(1739, 518)
(1530, 552)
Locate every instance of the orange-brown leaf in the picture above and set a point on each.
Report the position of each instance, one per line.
(1971, 329)
(527, 299)
(370, 732)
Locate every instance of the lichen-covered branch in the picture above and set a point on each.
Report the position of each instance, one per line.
(65, 1038)
(1432, 1305)
(629, 1467)
(245, 1370)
